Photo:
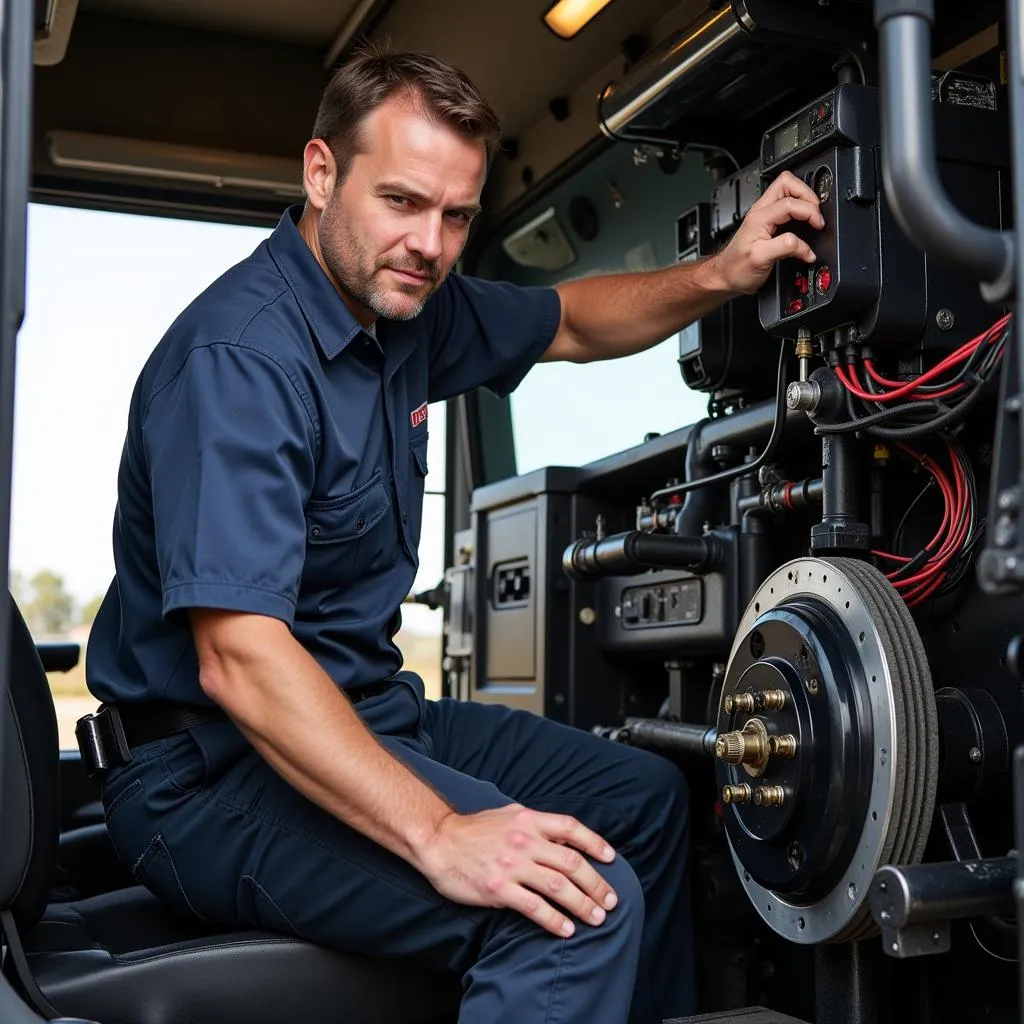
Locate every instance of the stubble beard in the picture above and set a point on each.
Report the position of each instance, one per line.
(357, 273)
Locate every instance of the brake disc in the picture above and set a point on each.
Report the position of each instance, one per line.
(827, 750)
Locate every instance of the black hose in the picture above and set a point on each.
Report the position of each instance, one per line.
(626, 554)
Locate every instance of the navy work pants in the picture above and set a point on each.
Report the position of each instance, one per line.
(212, 829)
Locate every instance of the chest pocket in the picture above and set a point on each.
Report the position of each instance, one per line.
(351, 535)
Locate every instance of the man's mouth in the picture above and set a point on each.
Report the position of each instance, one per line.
(414, 277)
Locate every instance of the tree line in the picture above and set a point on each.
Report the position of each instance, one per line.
(47, 606)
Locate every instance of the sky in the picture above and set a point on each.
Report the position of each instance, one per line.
(101, 290)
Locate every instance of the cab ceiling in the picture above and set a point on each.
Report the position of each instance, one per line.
(246, 76)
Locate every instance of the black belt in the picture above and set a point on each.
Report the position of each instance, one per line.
(158, 719)
(106, 739)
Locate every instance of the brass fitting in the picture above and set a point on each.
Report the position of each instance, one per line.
(739, 702)
(782, 746)
(770, 700)
(769, 796)
(747, 746)
(736, 794)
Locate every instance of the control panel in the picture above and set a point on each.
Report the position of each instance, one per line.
(663, 604)
(512, 584)
(869, 283)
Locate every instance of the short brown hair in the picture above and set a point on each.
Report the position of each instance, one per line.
(373, 75)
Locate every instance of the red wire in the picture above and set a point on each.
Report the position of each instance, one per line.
(949, 538)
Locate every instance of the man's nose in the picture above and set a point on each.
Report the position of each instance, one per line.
(427, 239)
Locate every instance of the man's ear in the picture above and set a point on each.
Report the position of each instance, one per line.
(319, 172)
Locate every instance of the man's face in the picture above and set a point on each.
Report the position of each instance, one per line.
(394, 228)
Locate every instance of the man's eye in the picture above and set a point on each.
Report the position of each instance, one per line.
(398, 200)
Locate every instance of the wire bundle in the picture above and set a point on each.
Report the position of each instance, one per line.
(931, 402)
(944, 561)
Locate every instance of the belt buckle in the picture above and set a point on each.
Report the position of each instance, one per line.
(101, 740)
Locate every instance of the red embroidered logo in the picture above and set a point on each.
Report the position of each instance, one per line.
(418, 416)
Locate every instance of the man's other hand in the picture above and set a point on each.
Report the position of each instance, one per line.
(521, 859)
(745, 263)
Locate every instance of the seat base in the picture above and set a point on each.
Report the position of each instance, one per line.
(122, 958)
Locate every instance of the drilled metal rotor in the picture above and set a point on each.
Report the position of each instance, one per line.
(878, 691)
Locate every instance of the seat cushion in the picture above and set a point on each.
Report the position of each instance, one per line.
(121, 958)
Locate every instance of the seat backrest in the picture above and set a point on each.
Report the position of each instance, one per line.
(29, 783)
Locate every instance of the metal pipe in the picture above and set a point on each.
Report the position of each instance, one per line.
(909, 166)
(626, 554)
(680, 57)
(906, 895)
(680, 737)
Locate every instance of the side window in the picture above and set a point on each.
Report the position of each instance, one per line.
(612, 216)
(101, 290)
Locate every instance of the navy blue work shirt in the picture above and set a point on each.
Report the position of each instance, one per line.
(274, 463)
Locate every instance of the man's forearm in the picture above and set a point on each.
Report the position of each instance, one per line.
(301, 724)
(618, 314)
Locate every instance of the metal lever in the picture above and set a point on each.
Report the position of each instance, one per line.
(913, 905)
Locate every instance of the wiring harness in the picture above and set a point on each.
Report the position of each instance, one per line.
(942, 563)
(932, 402)
(930, 405)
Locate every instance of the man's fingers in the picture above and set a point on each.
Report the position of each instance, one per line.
(786, 246)
(538, 910)
(556, 886)
(790, 208)
(571, 864)
(565, 829)
(786, 184)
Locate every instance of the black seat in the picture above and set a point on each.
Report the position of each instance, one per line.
(120, 957)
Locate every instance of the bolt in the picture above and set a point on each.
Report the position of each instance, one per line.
(769, 796)
(756, 644)
(945, 319)
(812, 686)
(736, 794)
(770, 700)
(728, 704)
(743, 702)
(588, 616)
(782, 746)
(795, 855)
(975, 755)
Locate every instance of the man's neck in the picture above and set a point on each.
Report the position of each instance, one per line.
(307, 227)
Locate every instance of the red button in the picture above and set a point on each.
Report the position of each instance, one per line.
(823, 280)
(795, 306)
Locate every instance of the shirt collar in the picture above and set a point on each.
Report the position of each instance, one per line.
(332, 321)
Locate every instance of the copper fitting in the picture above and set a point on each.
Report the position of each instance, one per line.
(770, 700)
(747, 746)
(739, 702)
(782, 746)
(769, 796)
(736, 794)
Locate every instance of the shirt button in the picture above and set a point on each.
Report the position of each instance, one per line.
(360, 524)
(316, 531)
(404, 517)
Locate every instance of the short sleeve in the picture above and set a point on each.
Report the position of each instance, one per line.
(230, 446)
(487, 334)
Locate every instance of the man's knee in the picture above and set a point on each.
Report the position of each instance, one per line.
(625, 923)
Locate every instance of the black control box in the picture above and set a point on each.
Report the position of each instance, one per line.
(870, 283)
(725, 351)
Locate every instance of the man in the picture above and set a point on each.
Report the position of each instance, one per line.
(285, 773)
